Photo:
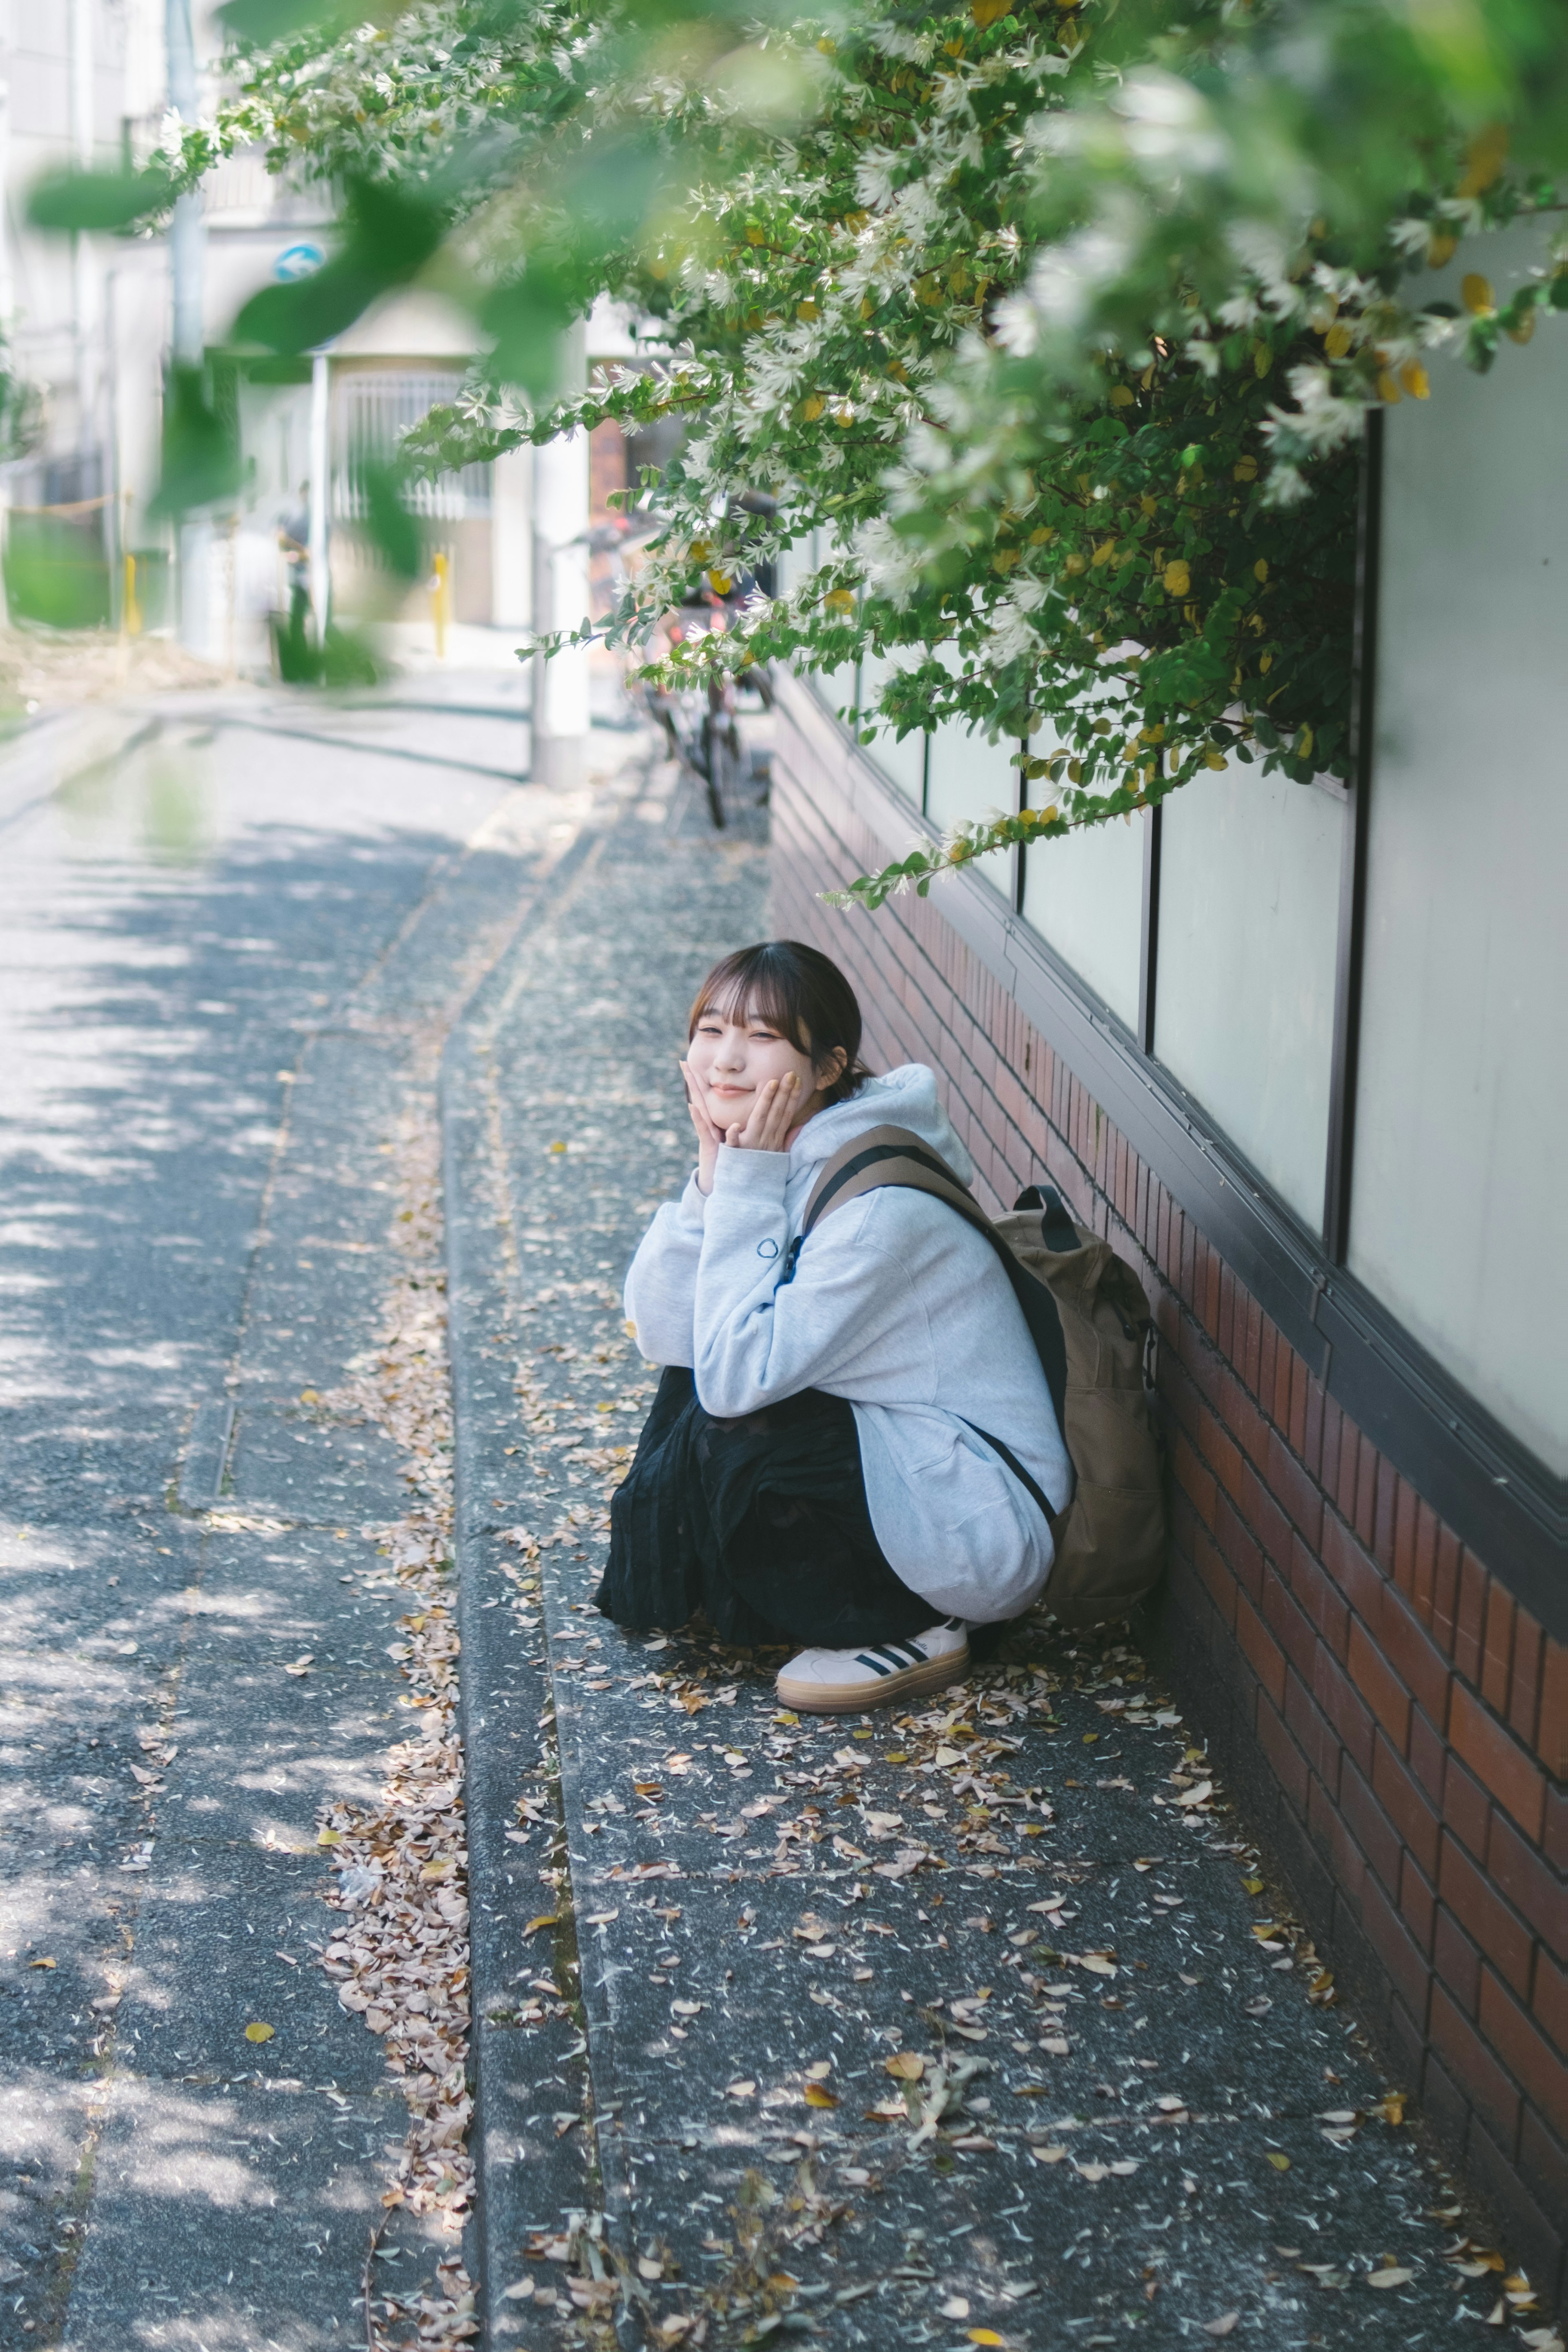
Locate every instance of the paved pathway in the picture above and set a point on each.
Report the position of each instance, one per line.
(229, 956)
(983, 2025)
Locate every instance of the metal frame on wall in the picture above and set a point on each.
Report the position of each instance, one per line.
(1495, 1494)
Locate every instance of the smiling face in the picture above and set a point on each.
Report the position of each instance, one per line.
(732, 1054)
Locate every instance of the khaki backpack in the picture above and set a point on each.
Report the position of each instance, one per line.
(1090, 1321)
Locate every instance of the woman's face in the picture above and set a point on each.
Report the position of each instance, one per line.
(732, 1056)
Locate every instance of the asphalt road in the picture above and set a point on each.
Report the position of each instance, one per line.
(225, 957)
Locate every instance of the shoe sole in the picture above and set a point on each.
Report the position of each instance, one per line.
(854, 1699)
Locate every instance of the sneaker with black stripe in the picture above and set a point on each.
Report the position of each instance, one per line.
(844, 1681)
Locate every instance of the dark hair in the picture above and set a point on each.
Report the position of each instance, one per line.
(797, 990)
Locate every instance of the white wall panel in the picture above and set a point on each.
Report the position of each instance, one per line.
(1084, 895)
(1461, 1135)
(1244, 997)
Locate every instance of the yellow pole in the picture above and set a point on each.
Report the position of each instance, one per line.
(440, 598)
(130, 610)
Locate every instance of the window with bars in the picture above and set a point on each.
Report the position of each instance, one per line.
(374, 408)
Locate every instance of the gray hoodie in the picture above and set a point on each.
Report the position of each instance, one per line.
(897, 1305)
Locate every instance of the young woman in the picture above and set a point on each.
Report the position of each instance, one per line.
(813, 1469)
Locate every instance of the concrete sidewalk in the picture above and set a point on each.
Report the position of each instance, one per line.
(980, 2025)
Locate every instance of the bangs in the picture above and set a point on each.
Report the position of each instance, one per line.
(798, 993)
(750, 987)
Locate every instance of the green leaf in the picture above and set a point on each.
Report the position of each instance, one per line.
(80, 201)
(390, 232)
(256, 24)
(391, 523)
(525, 320)
(201, 461)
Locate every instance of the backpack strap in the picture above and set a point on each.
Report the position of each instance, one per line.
(892, 1155)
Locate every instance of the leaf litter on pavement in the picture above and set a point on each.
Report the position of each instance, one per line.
(400, 1958)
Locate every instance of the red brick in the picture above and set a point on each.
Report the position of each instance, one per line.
(1227, 1347)
(1543, 2162)
(1379, 1685)
(1466, 1809)
(1397, 1949)
(1267, 1352)
(1331, 1833)
(1261, 1652)
(1323, 1604)
(1498, 1760)
(1342, 1484)
(1534, 1887)
(1370, 1826)
(1289, 1764)
(1221, 1453)
(1289, 1624)
(1242, 1555)
(1251, 1346)
(1243, 1419)
(1481, 1911)
(1427, 1754)
(1423, 1561)
(1445, 1589)
(1383, 1519)
(1551, 2003)
(1417, 1902)
(1343, 1707)
(1524, 1683)
(1406, 1806)
(1218, 1581)
(1296, 1428)
(1285, 1359)
(1497, 1649)
(1352, 1571)
(1407, 1504)
(1196, 1481)
(1456, 1962)
(1551, 1737)
(1264, 1516)
(1525, 2051)
(1364, 1518)
(1289, 1482)
(1554, 1838)
(1312, 1447)
(1415, 1656)
(1468, 2058)
(1210, 1295)
(1313, 1734)
(1469, 1621)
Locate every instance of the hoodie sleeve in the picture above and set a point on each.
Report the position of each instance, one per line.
(661, 1281)
(849, 1305)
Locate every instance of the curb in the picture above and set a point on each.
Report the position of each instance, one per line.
(524, 2176)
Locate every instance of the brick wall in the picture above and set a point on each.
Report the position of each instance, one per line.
(1396, 1725)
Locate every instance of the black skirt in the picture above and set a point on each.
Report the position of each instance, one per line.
(760, 1524)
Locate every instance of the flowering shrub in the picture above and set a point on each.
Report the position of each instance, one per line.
(1055, 324)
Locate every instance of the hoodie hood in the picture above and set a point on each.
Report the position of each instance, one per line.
(906, 1096)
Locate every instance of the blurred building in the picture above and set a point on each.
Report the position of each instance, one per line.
(90, 321)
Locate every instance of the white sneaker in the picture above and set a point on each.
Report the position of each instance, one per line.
(842, 1682)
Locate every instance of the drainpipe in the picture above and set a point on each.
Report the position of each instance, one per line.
(187, 342)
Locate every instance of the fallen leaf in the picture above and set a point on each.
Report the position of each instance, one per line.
(1393, 2275)
(1198, 1796)
(1391, 2107)
(818, 2094)
(1223, 2325)
(739, 2090)
(985, 2336)
(300, 1666)
(905, 2065)
(1048, 2155)
(954, 2308)
(1277, 2158)
(45, 1963)
(259, 2033)
(545, 1919)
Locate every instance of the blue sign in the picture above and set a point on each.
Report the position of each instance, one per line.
(298, 261)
